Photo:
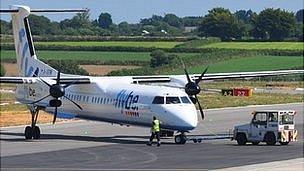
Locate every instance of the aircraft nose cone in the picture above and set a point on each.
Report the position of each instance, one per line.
(185, 117)
(190, 120)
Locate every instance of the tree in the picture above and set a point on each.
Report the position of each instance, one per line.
(154, 20)
(105, 20)
(124, 28)
(275, 24)
(219, 22)
(41, 25)
(80, 20)
(5, 27)
(299, 16)
(173, 20)
(244, 15)
(191, 21)
(159, 58)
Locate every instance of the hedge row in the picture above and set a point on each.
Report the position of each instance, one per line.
(92, 62)
(9, 38)
(198, 42)
(275, 52)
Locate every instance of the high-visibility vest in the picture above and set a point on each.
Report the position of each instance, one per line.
(156, 127)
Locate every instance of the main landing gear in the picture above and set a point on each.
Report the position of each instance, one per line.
(181, 138)
(33, 131)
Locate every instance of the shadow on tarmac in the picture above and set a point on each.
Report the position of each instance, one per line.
(119, 139)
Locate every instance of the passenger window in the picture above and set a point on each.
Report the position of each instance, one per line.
(260, 119)
(273, 117)
(172, 100)
(158, 100)
(185, 99)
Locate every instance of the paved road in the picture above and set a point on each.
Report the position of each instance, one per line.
(83, 145)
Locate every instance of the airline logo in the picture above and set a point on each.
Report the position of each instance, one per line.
(23, 50)
(127, 102)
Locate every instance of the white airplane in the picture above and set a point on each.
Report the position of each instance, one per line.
(128, 100)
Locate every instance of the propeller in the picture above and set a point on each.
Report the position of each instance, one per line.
(192, 88)
(57, 91)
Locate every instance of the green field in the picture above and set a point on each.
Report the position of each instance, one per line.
(114, 43)
(88, 55)
(257, 63)
(256, 45)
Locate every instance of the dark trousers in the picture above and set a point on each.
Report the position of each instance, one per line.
(153, 134)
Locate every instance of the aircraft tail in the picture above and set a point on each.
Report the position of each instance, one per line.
(28, 64)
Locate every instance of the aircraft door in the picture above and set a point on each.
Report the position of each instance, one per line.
(258, 126)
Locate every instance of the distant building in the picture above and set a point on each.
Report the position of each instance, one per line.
(189, 29)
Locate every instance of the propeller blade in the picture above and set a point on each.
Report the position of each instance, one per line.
(201, 76)
(200, 108)
(58, 78)
(55, 115)
(74, 102)
(40, 99)
(186, 72)
(188, 77)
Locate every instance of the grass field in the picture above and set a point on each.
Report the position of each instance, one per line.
(256, 45)
(258, 63)
(88, 55)
(115, 43)
(216, 100)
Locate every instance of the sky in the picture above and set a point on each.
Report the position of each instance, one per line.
(134, 10)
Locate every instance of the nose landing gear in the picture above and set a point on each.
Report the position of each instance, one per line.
(33, 131)
(181, 138)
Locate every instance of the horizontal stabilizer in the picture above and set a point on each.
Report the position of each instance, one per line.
(32, 80)
(44, 10)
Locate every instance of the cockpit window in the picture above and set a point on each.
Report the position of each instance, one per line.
(158, 100)
(185, 99)
(172, 100)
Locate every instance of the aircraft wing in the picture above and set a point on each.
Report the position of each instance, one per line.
(33, 80)
(182, 80)
(217, 76)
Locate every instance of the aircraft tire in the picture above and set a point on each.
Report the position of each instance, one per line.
(241, 139)
(284, 143)
(36, 132)
(28, 132)
(180, 139)
(270, 138)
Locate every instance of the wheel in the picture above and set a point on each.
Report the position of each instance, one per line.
(256, 143)
(184, 139)
(36, 132)
(28, 132)
(180, 139)
(270, 139)
(195, 140)
(241, 139)
(284, 143)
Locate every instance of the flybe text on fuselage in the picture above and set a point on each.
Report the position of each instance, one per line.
(127, 101)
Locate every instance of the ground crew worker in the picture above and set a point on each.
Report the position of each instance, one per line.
(155, 131)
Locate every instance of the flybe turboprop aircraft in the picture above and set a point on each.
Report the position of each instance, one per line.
(129, 100)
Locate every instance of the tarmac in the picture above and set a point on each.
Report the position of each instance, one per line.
(88, 145)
